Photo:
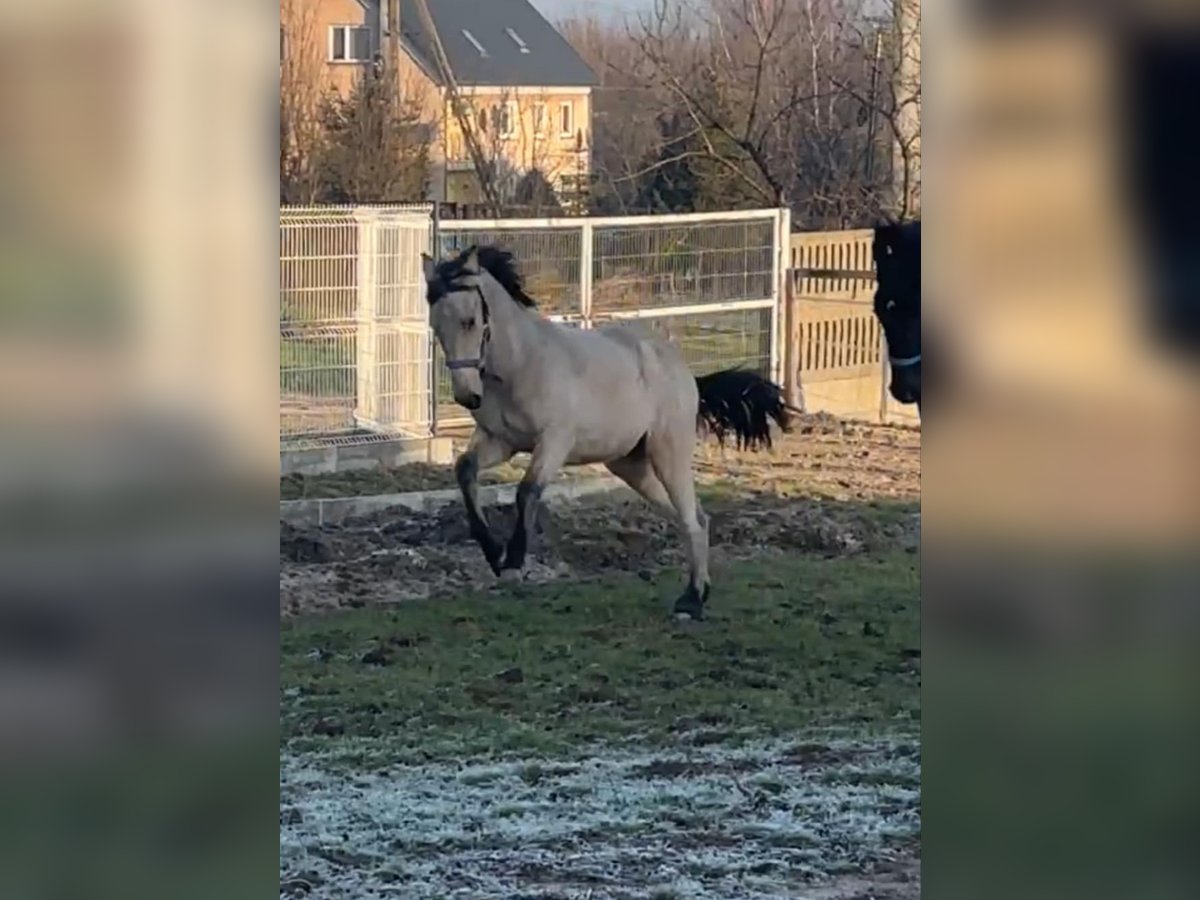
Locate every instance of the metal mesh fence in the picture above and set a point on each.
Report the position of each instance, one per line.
(549, 260)
(357, 362)
(663, 270)
(353, 343)
(714, 341)
(659, 266)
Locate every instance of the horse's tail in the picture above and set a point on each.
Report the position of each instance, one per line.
(741, 402)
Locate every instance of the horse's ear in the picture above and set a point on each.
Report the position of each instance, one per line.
(429, 267)
(470, 260)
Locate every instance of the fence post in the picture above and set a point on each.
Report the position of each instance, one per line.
(793, 390)
(779, 271)
(366, 402)
(435, 250)
(586, 250)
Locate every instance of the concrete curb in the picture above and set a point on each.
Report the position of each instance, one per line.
(335, 510)
(357, 457)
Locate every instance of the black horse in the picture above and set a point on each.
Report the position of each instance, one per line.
(897, 252)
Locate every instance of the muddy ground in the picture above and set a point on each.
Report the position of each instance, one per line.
(830, 487)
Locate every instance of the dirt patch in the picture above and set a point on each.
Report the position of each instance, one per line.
(823, 457)
(831, 488)
(830, 457)
(399, 555)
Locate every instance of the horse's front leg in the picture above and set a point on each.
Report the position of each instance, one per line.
(483, 452)
(548, 458)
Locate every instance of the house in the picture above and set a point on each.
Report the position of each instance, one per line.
(526, 91)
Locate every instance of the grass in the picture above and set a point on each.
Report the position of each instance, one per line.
(319, 370)
(790, 645)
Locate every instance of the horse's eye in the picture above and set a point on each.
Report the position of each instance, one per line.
(890, 305)
(468, 324)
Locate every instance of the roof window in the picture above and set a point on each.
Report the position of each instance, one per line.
(517, 40)
(475, 43)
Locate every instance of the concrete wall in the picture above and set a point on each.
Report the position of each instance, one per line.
(326, 460)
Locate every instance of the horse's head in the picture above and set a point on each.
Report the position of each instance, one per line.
(469, 296)
(897, 252)
(459, 317)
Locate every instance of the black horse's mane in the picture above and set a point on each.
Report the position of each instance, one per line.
(498, 263)
(897, 254)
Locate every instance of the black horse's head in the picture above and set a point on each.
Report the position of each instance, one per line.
(897, 252)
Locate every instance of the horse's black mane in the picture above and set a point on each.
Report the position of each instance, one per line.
(498, 263)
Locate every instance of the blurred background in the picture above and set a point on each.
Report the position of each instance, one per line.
(138, 635)
(1060, 592)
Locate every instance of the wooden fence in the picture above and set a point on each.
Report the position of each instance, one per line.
(834, 354)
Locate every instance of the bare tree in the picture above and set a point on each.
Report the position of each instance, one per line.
(894, 99)
(906, 113)
(300, 132)
(376, 146)
(628, 124)
(724, 103)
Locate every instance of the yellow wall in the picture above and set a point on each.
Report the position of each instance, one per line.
(526, 147)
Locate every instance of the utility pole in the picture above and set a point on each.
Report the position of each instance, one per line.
(392, 54)
(459, 109)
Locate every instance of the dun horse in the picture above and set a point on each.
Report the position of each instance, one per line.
(614, 395)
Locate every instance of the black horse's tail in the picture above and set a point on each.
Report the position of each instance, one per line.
(741, 402)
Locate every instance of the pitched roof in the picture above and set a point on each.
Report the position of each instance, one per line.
(497, 43)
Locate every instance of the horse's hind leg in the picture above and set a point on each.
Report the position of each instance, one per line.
(635, 470)
(483, 452)
(673, 466)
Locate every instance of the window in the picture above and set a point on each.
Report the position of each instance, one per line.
(539, 118)
(475, 43)
(483, 120)
(504, 118)
(564, 119)
(517, 40)
(349, 43)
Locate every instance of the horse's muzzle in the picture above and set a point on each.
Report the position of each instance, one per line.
(469, 401)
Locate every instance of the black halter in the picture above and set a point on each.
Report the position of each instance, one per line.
(901, 362)
(476, 362)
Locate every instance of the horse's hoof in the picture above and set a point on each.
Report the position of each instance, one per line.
(690, 605)
(511, 575)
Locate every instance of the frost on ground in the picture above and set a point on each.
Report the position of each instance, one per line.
(831, 819)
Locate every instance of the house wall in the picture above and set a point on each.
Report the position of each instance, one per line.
(555, 152)
(306, 25)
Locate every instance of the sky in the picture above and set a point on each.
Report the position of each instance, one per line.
(555, 10)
